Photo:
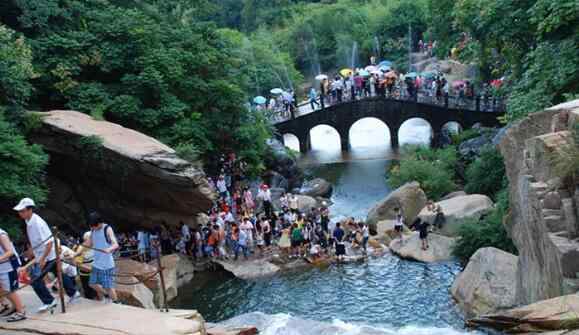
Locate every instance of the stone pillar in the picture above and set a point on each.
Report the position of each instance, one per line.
(345, 143)
(304, 143)
(394, 139)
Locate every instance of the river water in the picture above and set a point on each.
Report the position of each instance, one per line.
(385, 295)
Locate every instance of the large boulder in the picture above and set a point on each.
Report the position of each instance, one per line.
(488, 282)
(178, 270)
(410, 198)
(411, 248)
(453, 195)
(132, 292)
(557, 314)
(281, 161)
(545, 235)
(250, 270)
(470, 149)
(132, 179)
(456, 210)
(317, 187)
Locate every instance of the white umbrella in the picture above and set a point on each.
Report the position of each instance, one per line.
(321, 77)
(276, 91)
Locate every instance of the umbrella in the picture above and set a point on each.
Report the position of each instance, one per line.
(364, 73)
(428, 75)
(391, 74)
(458, 83)
(411, 75)
(496, 83)
(385, 68)
(346, 72)
(276, 91)
(259, 100)
(371, 68)
(376, 72)
(321, 77)
(385, 63)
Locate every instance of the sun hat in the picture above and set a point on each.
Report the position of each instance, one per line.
(24, 203)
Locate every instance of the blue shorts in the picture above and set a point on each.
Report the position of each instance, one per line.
(104, 278)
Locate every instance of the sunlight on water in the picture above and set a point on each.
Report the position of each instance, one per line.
(415, 131)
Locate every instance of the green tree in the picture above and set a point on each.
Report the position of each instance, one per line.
(486, 174)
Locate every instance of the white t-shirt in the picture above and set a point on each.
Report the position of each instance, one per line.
(6, 266)
(67, 254)
(38, 231)
(221, 185)
(186, 232)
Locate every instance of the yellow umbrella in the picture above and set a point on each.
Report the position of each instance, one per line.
(346, 72)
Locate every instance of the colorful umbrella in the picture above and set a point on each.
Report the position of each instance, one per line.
(321, 77)
(411, 75)
(385, 68)
(276, 91)
(364, 73)
(346, 72)
(371, 68)
(259, 100)
(385, 63)
(458, 83)
(428, 74)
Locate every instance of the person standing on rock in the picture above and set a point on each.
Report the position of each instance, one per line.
(43, 248)
(339, 240)
(104, 244)
(365, 236)
(248, 201)
(265, 196)
(422, 227)
(9, 264)
(222, 188)
(399, 227)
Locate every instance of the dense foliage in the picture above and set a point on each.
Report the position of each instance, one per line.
(487, 232)
(432, 168)
(486, 174)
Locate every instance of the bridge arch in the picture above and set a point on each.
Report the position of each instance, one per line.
(369, 132)
(324, 137)
(291, 141)
(415, 131)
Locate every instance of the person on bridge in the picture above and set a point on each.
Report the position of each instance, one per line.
(313, 97)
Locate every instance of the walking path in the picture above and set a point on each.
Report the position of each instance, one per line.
(88, 317)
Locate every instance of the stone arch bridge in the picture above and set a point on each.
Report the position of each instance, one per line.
(392, 112)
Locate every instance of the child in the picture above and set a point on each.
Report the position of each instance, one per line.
(9, 264)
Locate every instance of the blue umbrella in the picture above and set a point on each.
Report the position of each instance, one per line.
(411, 75)
(364, 73)
(385, 63)
(385, 68)
(259, 100)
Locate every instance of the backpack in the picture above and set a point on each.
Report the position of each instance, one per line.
(106, 229)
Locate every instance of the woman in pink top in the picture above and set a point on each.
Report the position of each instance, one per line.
(248, 200)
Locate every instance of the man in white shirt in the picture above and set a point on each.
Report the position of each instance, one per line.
(264, 195)
(42, 242)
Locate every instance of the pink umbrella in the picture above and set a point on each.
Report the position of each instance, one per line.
(458, 83)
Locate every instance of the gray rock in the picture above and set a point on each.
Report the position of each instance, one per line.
(411, 248)
(317, 187)
(552, 200)
(131, 178)
(250, 270)
(410, 198)
(488, 283)
(279, 160)
(453, 195)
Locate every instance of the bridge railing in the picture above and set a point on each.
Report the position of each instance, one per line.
(476, 104)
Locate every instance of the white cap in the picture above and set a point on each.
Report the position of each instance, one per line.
(24, 203)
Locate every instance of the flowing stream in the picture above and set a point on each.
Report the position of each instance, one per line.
(385, 295)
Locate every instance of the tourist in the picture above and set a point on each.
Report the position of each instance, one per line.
(212, 241)
(296, 240)
(399, 226)
(436, 209)
(313, 96)
(143, 246)
(248, 200)
(266, 227)
(221, 241)
(284, 241)
(293, 202)
(264, 195)
(259, 239)
(339, 241)
(284, 200)
(365, 236)
(247, 227)
(422, 227)
(104, 244)
(44, 260)
(9, 264)
(241, 244)
(185, 234)
(84, 260)
(166, 241)
(222, 187)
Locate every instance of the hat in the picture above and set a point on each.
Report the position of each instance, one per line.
(24, 203)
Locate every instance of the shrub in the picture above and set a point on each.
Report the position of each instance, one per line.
(486, 174)
(463, 136)
(91, 147)
(486, 232)
(433, 169)
(188, 152)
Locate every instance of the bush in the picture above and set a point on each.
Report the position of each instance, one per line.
(188, 152)
(433, 169)
(486, 174)
(486, 232)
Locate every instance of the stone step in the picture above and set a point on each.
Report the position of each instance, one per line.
(539, 186)
(554, 223)
(551, 212)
